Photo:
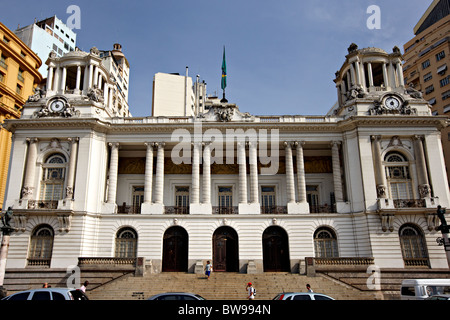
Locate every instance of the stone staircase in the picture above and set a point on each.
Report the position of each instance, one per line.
(223, 286)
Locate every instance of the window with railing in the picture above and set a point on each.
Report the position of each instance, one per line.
(398, 176)
(53, 178)
(3, 63)
(20, 76)
(325, 243)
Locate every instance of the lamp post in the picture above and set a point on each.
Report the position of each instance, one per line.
(445, 229)
(6, 233)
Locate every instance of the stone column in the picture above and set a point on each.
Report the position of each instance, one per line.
(401, 81)
(301, 181)
(113, 171)
(253, 159)
(78, 81)
(385, 76)
(28, 186)
(289, 173)
(195, 192)
(63, 80)
(242, 173)
(370, 74)
(207, 173)
(57, 79)
(50, 79)
(148, 179)
(421, 167)
(380, 177)
(95, 76)
(105, 93)
(159, 183)
(338, 194)
(90, 75)
(72, 166)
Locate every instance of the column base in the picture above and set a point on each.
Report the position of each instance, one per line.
(109, 208)
(384, 203)
(249, 208)
(343, 207)
(65, 204)
(152, 208)
(298, 208)
(200, 208)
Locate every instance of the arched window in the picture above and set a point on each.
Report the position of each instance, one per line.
(398, 176)
(413, 246)
(126, 243)
(325, 243)
(53, 177)
(41, 246)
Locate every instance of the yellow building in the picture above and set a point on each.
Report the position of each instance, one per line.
(19, 76)
(427, 59)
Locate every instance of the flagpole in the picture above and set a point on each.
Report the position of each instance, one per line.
(224, 77)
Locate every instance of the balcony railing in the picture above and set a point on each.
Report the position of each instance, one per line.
(176, 210)
(409, 203)
(274, 210)
(39, 262)
(416, 262)
(322, 209)
(128, 209)
(225, 210)
(43, 204)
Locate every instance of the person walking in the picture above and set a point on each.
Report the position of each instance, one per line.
(308, 287)
(84, 286)
(251, 291)
(208, 269)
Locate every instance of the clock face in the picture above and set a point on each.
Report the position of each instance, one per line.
(392, 103)
(57, 106)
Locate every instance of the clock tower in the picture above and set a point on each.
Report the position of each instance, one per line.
(370, 82)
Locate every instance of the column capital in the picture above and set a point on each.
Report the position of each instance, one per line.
(160, 145)
(288, 144)
(113, 144)
(73, 140)
(335, 143)
(299, 144)
(375, 137)
(32, 140)
(419, 137)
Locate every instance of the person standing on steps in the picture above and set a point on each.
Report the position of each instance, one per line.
(308, 288)
(208, 269)
(251, 291)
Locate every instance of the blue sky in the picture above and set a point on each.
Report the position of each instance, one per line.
(281, 55)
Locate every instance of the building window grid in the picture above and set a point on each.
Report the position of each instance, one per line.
(53, 178)
(398, 177)
(440, 56)
(41, 247)
(126, 244)
(325, 244)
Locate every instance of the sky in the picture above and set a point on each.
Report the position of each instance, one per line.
(281, 55)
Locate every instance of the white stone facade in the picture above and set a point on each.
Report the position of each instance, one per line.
(354, 183)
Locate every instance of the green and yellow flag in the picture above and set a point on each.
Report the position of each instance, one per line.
(224, 71)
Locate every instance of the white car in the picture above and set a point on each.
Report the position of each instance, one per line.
(48, 294)
(177, 296)
(302, 296)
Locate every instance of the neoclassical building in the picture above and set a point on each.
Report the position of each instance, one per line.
(251, 193)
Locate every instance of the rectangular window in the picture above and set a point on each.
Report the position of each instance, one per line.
(312, 196)
(268, 202)
(425, 64)
(429, 89)
(445, 81)
(182, 200)
(3, 62)
(427, 77)
(446, 95)
(440, 55)
(20, 75)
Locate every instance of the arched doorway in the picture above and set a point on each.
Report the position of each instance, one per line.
(225, 250)
(175, 250)
(276, 250)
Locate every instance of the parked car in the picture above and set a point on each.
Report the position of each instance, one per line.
(439, 297)
(420, 289)
(48, 294)
(302, 296)
(176, 296)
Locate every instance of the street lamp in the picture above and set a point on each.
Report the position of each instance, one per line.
(445, 230)
(6, 233)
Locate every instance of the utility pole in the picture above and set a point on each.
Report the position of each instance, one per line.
(445, 229)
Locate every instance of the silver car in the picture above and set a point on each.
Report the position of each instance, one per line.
(302, 296)
(177, 296)
(48, 294)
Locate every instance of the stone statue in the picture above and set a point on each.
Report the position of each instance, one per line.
(441, 215)
(6, 218)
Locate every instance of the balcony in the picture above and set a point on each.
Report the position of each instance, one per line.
(274, 209)
(176, 210)
(128, 209)
(409, 203)
(225, 210)
(322, 209)
(43, 204)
